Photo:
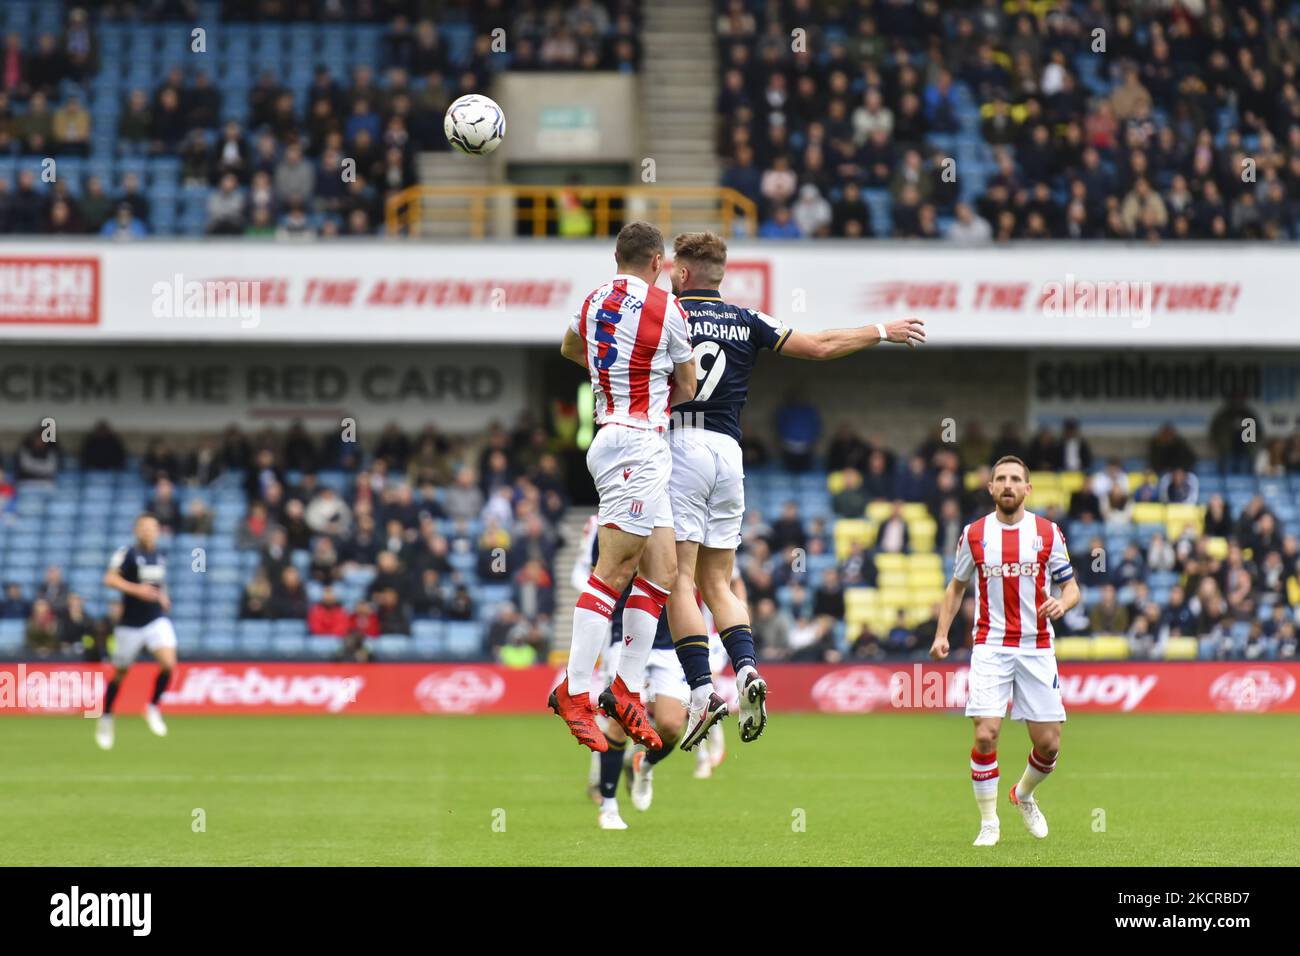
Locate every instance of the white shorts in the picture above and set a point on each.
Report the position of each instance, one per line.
(663, 674)
(1027, 681)
(128, 641)
(630, 467)
(708, 487)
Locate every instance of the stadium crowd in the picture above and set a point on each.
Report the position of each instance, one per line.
(427, 520)
(978, 121)
(319, 161)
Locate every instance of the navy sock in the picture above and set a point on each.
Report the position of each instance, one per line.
(160, 685)
(739, 642)
(693, 652)
(110, 694)
(611, 765)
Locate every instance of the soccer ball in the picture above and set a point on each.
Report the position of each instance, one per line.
(474, 124)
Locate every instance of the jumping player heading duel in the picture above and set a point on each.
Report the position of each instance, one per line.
(632, 339)
(708, 490)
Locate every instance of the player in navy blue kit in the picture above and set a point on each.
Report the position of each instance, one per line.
(707, 482)
(139, 571)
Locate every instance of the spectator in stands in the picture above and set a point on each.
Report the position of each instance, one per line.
(164, 506)
(1179, 487)
(892, 536)
(780, 225)
(363, 625)
(198, 519)
(1108, 615)
(1169, 450)
(390, 610)
(253, 531)
(226, 208)
(124, 225)
(969, 227)
(464, 500)
(13, 605)
(1084, 503)
(102, 449)
(95, 205)
(1229, 430)
(255, 604)
(71, 127)
(461, 605)
(74, 627)
(42, 630)
(850, 501)
(288, 597)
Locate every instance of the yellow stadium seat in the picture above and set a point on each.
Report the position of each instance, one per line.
(1074, 648)
(921, 534)
(1110, 647)
(1148, 512)
(835, 482)
(914, 511)
(1217, 547)
(890, 580)
(1178, 517)
(1071, 481)
(1045, 481)
(927, 579)
(860, 597)
(878, 511)
(1181, 649)
(972, 481)
(850, 531)
(1044, 498)
(1136, 479)
(891, 562)
(924, 562)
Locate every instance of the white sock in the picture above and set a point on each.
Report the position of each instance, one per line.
(984, 781)
(640, 621)
(700, 695)
(743, 674)
(591, 617)
(1036, 771)
(608, 804)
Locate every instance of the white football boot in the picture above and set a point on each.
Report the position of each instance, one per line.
(642, 783)
(104, 732)
(751, 692)
(1035, 822)
(610, 820)
(989, 834)
(700, 718)
(153, 717)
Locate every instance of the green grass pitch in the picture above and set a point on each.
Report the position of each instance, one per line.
(885, 789)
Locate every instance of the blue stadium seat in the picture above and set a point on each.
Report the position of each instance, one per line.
(464, 639)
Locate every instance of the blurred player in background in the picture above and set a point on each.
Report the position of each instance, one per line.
(665, 691)
(708, 479)
(139, 571)
(633, 340)
(1010, 554)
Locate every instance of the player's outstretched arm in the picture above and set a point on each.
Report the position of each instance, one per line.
(836, 343)
(1055, 608)
(574, 348)
(952, 598)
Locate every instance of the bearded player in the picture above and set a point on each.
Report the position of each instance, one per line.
(632, 338)
(1010, 554)
(708, 479)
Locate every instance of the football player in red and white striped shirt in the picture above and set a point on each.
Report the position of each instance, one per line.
(632, 338)
(1013, 556)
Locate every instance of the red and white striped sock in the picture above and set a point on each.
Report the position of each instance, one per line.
(640, 621)
(1036, 771)
(591, 617)
(984, 780)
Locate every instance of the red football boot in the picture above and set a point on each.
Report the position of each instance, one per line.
(579, 715)
(624, 706)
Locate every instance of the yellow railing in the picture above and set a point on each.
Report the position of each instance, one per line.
(509, 211)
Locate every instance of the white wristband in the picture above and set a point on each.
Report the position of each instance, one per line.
(884, 336)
